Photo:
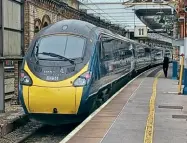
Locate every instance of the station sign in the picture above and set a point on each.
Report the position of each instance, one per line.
(140, 31)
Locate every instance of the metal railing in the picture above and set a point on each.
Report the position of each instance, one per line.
(181, 74)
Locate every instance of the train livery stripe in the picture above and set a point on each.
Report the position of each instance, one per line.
(148, 137)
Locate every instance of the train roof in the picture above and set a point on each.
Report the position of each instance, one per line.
(132, 41)
(69, 26)
(79, 27)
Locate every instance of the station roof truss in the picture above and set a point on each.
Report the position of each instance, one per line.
(158, 17)
(64, 8)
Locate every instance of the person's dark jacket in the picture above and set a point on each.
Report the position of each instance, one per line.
(166, 61)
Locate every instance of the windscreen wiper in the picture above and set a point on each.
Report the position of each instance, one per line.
(36, 54)
(56, 55)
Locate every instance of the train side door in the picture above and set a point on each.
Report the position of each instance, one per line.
(147, 56)
(143, 57)
(102, 67)
(133, 58)
(97, 77)
(97, 66)
(137, 58)
(140, 57)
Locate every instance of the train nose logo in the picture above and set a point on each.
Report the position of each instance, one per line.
(62, 70)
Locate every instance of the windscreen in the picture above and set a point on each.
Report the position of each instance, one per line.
(67, 46)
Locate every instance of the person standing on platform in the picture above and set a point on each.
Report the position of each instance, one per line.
(165, 65)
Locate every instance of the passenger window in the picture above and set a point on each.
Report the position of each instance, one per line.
(122, 56)
(122, 50)
(141, 52)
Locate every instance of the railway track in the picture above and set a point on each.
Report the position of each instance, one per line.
(39, 133)
(50, 134)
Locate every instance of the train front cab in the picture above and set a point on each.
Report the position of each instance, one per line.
(51, 87)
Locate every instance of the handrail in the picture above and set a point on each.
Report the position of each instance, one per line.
(181, 74)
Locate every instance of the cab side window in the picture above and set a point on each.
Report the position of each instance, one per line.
(107, 52)
(106, 56)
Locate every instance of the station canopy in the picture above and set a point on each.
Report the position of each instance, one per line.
(157, 15)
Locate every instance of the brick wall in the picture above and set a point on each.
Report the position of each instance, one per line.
(42, 11)
(26, 25)
(36, 11)
(72, 3)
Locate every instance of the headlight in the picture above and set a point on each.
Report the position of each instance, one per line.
(25, 79)
(83, 79)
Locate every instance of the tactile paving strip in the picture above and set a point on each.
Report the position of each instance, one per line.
(170, 107)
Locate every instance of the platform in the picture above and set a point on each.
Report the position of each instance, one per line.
(124, 119)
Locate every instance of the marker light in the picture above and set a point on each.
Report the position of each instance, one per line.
(25, 79)
(83, 79)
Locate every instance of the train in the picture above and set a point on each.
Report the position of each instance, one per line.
(72, 67)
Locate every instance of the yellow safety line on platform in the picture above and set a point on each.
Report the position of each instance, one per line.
(148, 137)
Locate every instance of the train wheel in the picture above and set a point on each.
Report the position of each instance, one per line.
(97, 103)
(105, 98)
(94, 107)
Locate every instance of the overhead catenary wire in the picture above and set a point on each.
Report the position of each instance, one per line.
(102, 11)
(112, 19)
(94, 11)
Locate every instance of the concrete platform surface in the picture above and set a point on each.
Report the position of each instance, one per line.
(124, 119)
(129, 126)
